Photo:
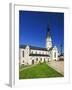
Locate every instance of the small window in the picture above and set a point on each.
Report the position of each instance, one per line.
(36, 52)
(23, 61)
(23, 53)
(32, 52)
(48, 59)
(36, 59)
(44, 59)
(40, 59)
(55, 55)
(39, 52)
(43, 52)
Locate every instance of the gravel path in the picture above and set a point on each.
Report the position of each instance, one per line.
(57, 65)
(28, 67)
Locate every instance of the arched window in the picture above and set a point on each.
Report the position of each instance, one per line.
(39, 52)
(36, 59)
(23, 61)
(36, 52)
(54, 54)
(23, 53)
(48, 59)
(43, 52)
(44, 59)
(32, 52)
(40, 59)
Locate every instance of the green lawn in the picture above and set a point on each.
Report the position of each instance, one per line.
(23, 66)
(39, 71)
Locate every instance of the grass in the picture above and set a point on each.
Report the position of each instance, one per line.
(23, 66)
(39, 71)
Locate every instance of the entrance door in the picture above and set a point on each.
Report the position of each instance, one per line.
(32, 61)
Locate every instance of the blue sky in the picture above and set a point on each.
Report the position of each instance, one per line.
(33, 27)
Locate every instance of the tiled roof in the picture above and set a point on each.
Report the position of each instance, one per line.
(38, 48)
(35, 48)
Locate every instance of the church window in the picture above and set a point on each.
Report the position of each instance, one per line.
(44, 59)
(36, 59)
(48, 59)
(36, 52)
(39, 52)
(43, 52)
(32, 52)
(23, 54)
(55, 55)
(23, 61)
(40, 59)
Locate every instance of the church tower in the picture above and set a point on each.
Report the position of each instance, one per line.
(48, 39)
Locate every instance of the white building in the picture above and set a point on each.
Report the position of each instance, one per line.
(32, 55)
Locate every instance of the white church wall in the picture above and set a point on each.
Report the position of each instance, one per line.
(24, 59)
(55, 53)
(28, 59)
(27, 54)
(50, 55)
(21, 56)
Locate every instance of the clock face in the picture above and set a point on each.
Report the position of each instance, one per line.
(49, 44)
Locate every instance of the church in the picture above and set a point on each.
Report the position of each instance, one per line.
(29, 55)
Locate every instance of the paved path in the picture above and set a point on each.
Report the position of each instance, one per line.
(57, 65)
(28, 67)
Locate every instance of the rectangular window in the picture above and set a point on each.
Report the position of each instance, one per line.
(40, 59)
(44, 59)
(43, 52)
(36, 59)
(23, 53)
(36, 52)
(32, 52)
(23, 61)
(39, 52)
(55, 55)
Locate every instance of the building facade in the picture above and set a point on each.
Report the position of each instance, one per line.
(29, 55)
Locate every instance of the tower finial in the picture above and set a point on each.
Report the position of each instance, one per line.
(48, 31)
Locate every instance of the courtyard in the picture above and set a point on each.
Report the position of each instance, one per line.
(41, 70)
